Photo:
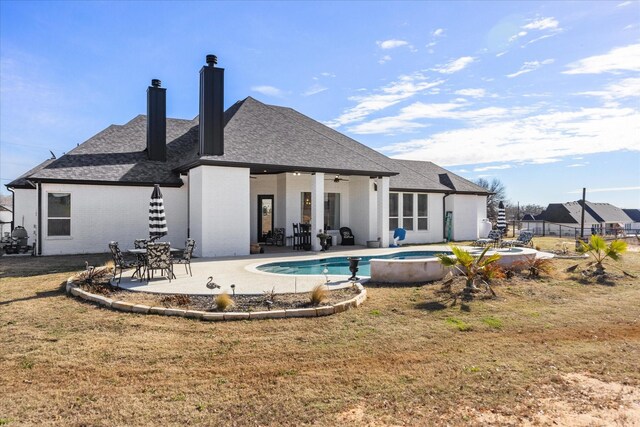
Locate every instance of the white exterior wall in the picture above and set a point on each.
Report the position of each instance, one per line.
(468, 212)
(433, 233)
(102, 213)
(219, 213)
(362, 207)
(5, 222)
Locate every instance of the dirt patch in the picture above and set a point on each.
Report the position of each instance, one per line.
(578, 400)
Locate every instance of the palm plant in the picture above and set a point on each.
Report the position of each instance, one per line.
(473, 269)
(600, 251)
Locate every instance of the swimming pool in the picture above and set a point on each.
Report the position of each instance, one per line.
(339, 266)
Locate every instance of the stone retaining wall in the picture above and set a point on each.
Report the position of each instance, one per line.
(75, 290)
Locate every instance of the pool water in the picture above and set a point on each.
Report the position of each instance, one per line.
(338, 266)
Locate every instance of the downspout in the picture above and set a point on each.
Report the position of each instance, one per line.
(444, 217)
(39, 242)
(13, 207)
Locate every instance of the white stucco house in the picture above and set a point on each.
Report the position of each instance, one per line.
(229, 176)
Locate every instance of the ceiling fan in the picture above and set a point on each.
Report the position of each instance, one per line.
(336, 179)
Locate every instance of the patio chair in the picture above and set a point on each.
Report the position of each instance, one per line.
(119, 262)
(140, 243)
(159, 258)
(493, 238)
(296, 236)
(524, 239)
(186, 256)
(276, 238)
(305, 236)
(348, 239)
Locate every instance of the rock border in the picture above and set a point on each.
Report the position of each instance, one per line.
(327, 310)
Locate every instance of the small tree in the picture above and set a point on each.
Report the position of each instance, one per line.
(600, 251)
(473, 269)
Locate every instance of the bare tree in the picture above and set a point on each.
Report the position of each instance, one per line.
(499, 193)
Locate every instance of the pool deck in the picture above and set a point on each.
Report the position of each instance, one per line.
(242, 272)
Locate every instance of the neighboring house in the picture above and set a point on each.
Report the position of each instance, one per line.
(565, 219)
(634, 215)
(6, 217)
(230, 177)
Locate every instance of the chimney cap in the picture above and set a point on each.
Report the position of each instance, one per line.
(156, 82)
(212, 60)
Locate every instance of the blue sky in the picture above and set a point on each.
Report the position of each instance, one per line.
(544, 96)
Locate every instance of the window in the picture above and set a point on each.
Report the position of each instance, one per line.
(331, 210)
(393, 211)
(407, 211)
(59, 211)
(305, 211)
(423, 223)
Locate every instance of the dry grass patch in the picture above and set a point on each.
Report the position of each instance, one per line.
(67, 362)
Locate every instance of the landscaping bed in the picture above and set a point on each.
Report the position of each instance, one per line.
(207, 302)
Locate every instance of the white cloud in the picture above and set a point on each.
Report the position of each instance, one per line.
(577, 165)
(604, 190)
(384, 59)
(391, 44)
(626, 88)
(408, 118)
(517, 36)
(268, 90)
(542, 24)
(327, 74)
(488, 168)
(455, 65)
(624, 3)
(438, 32)
(474, 93)
(499, 54)
(402, 89)
(532, 138)
(625, 58)
(546, 36)
(542, 161)
(530, 66)
(313, 90)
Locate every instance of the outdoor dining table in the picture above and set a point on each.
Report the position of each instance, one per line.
(140, 254)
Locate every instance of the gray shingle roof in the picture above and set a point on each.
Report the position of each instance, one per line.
(420, 175)
(634, 214)
(23, 180)
(571, 212)
(257, 135)
(260, 134)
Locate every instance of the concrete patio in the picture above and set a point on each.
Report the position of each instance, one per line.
(242, 272)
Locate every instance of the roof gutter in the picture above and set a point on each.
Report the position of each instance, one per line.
(116, 183)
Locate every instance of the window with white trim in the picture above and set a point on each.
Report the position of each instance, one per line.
(58, 214)
(407, 211)
(423, 211)
(393, 211)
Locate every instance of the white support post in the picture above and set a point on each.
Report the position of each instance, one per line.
(383, 211)
(317, 208)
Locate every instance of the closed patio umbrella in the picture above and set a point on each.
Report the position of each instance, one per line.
(157, 220)
(502, 218)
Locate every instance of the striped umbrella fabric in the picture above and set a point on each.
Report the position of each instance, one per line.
(157, 220)
(502, 218)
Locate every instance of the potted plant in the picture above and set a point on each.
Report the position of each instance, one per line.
(323, 239)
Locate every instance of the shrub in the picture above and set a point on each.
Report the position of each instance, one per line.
(600, 251)
(534, 266)
(318, 294)
(473, 269)
(176, 300)
(223, 301)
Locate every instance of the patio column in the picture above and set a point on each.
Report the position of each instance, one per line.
(383, 211)
(317, 208)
